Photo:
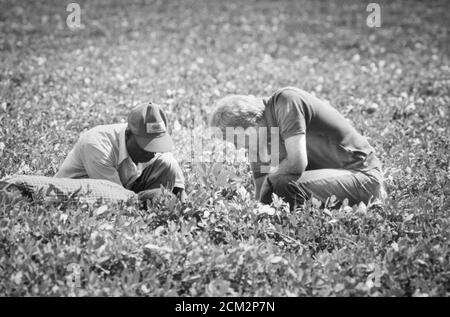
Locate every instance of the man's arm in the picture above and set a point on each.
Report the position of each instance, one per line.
(295, 163)
(180, 193)
(290, 117)
(297, 159)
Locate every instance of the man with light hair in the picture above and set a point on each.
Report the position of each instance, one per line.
(320, 153)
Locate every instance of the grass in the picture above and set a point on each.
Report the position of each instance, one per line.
(392, 82)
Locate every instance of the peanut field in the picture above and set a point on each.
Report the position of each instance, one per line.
(392, 82)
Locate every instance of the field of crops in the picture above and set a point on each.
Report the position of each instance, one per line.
(392, 82)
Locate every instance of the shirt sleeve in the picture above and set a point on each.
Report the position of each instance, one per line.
(289, 114)
(98, 164)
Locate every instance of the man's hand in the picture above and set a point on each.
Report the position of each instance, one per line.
(180, 193)
(149, 194)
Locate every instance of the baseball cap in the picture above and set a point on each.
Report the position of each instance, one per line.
(148, 123)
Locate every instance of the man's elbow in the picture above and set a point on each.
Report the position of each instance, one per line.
(298, 167)
(296, 170)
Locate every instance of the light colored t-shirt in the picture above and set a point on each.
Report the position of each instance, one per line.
(101, 153)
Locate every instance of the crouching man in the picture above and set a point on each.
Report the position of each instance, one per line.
(136, 155)
(320, 153)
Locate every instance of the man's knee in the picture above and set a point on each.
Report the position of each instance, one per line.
(280, 184)
(289, 188)
(162, 170)
(168, 171)
(167, 163)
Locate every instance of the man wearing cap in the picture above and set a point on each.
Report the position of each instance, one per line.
(136, 155)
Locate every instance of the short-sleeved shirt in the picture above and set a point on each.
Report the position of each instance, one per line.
(331, 140)
(101, 153)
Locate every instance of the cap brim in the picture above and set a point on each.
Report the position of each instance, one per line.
(158, 144)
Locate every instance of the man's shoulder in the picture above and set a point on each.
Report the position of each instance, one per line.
(287, 94)
(307, 102)
(102, 134)
(105, 130)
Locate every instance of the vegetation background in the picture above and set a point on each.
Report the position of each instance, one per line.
(392, 82)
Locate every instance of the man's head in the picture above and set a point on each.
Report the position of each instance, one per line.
(137, 154)
(237, 111)
(147, 133)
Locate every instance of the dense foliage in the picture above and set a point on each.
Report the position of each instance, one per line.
(392, 82)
